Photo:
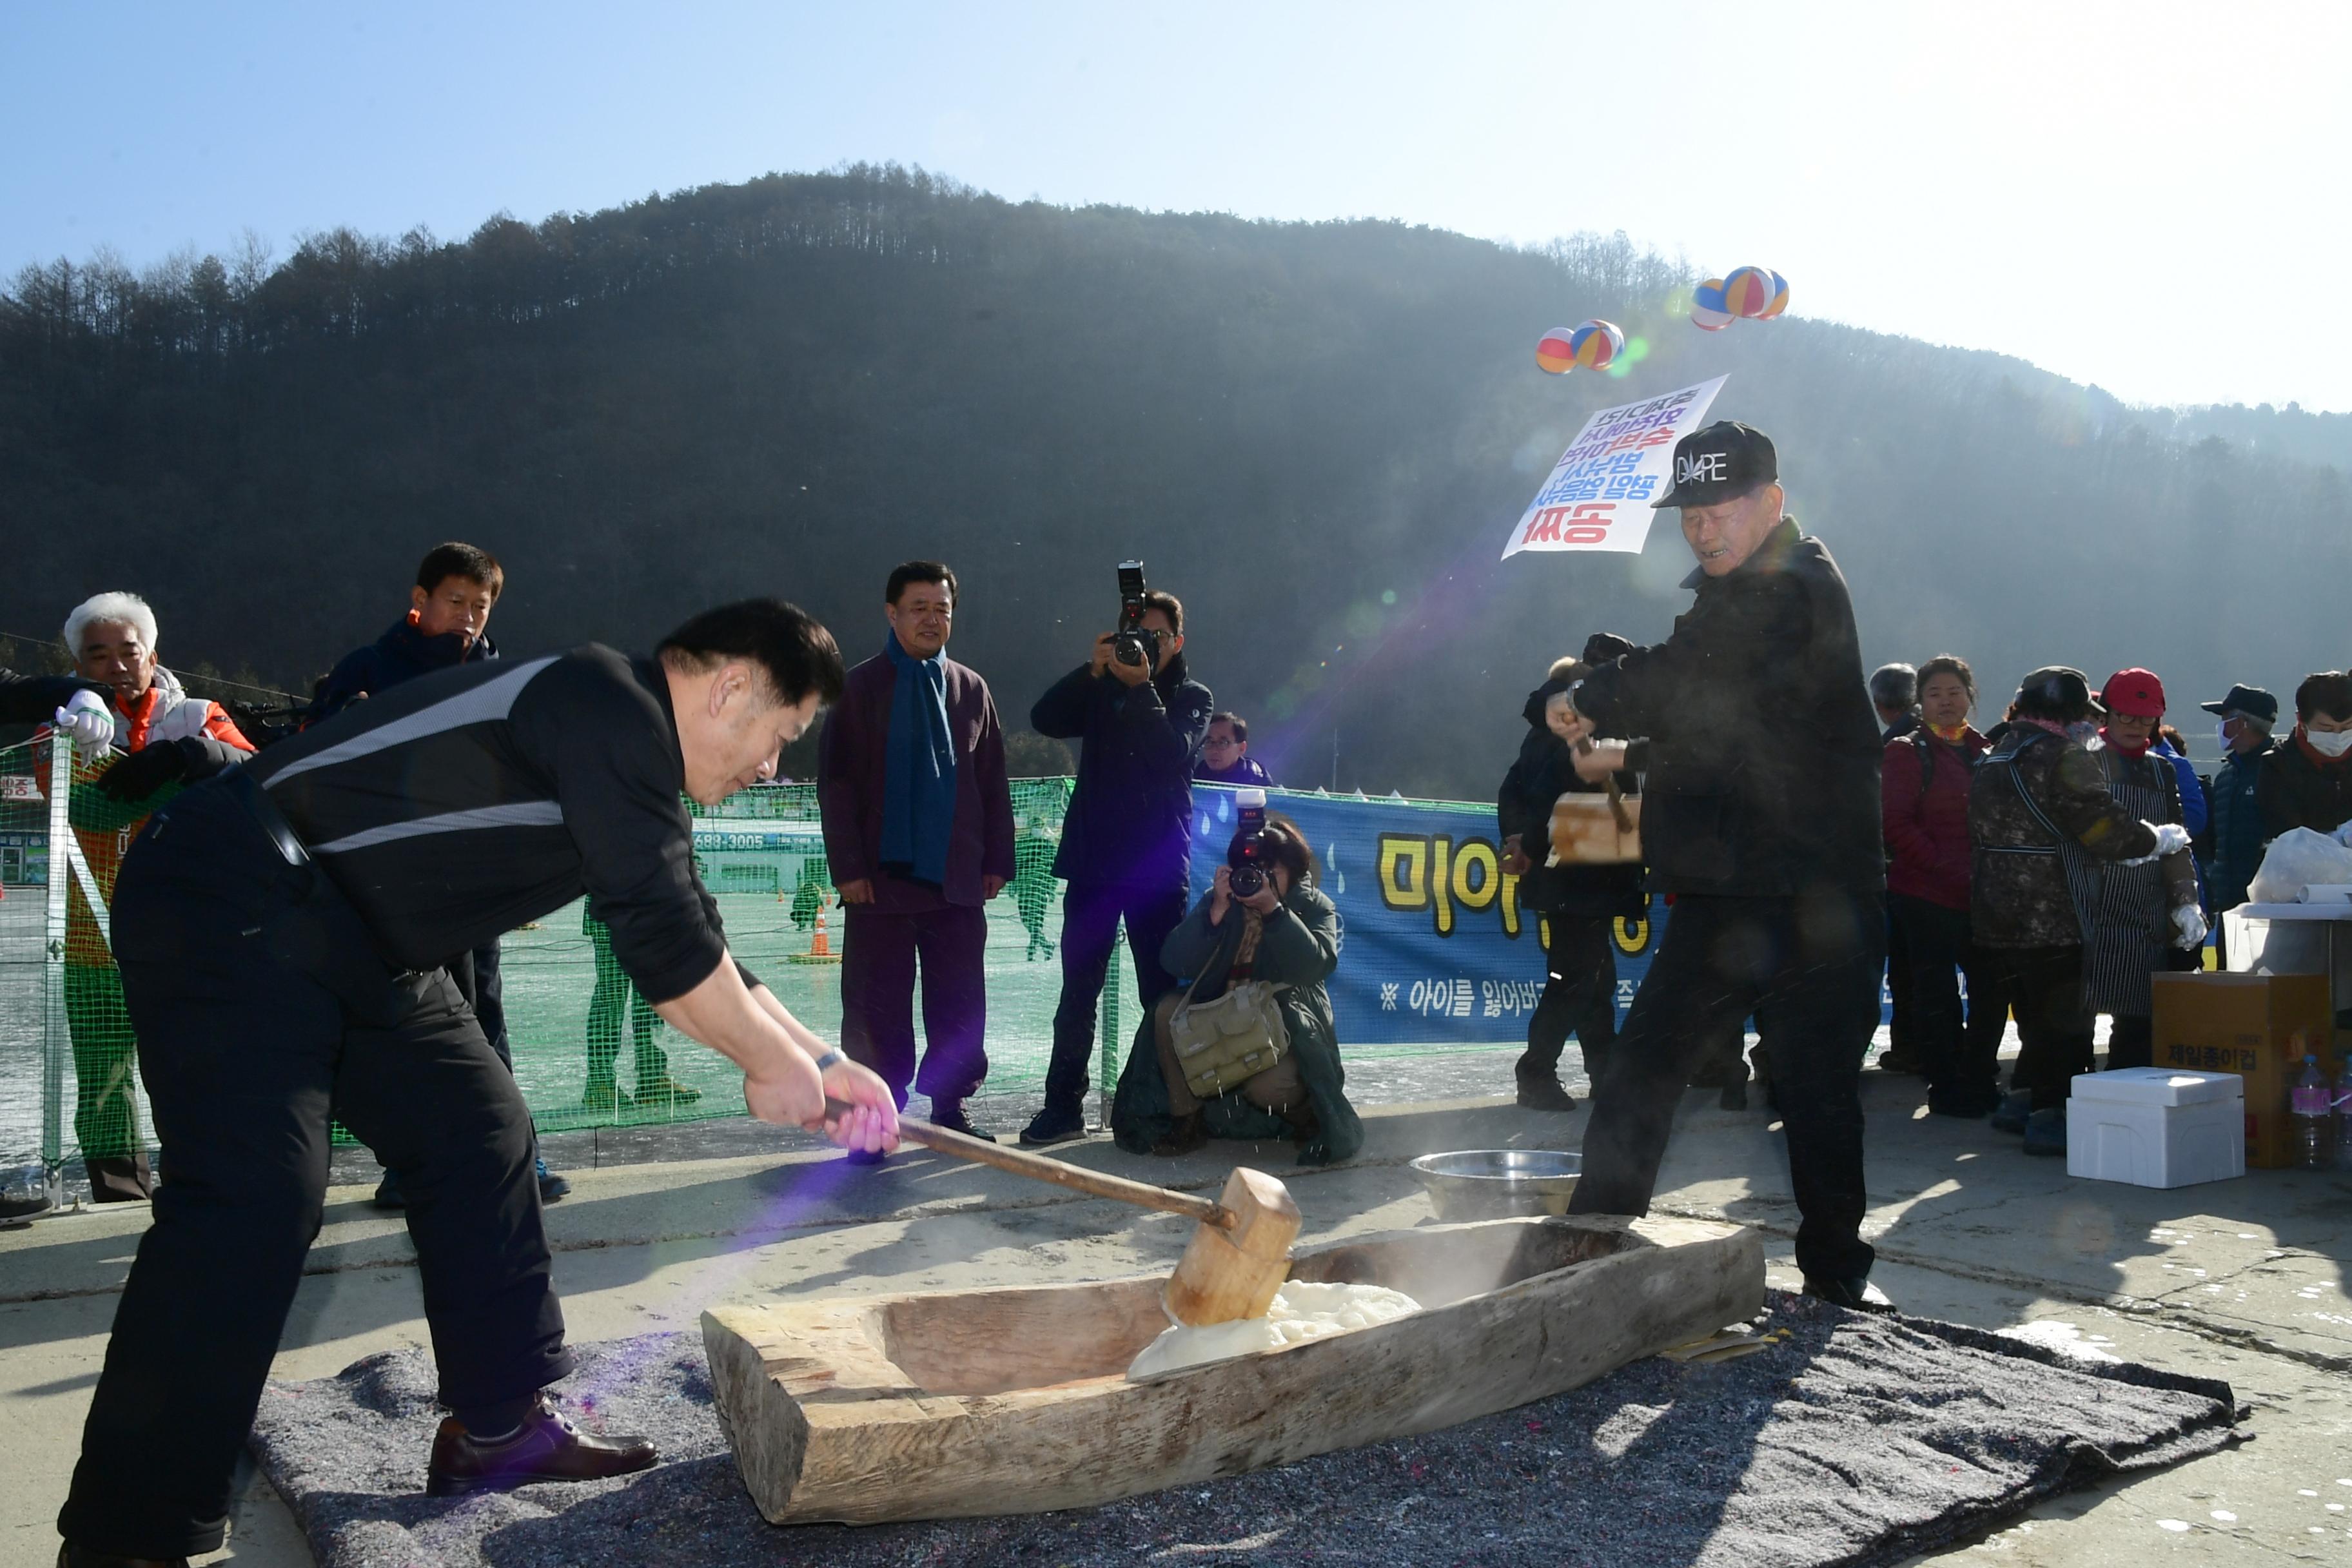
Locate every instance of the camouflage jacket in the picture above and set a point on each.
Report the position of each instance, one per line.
(2030, 789)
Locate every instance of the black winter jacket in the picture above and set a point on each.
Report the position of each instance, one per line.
(402, 653)
(2296, 791)
(1762, 766)
(2235, 835)
(1546, 771)
(1130, 816)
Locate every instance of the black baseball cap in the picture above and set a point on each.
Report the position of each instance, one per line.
(2251, 700)
(1720, 463)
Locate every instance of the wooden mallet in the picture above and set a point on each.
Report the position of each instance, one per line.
(1236, 1261)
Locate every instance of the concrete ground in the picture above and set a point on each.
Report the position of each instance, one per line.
(2244, 1280)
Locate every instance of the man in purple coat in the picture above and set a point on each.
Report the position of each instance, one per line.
(918, 834)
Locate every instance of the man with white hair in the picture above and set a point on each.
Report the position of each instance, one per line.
(1761, 815)
(112, 638)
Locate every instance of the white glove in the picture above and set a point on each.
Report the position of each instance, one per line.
(84, 717)
(2343, 836)
(2171, 839)
(2189, 921)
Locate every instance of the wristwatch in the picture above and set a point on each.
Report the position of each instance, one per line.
(830, 1060)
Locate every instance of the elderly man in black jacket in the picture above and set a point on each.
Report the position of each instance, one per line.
(1761, 815)
(1127, 839)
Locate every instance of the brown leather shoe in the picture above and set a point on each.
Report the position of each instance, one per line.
(548, 1447)
(72, 1556)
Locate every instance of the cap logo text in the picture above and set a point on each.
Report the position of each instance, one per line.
(1703, 468)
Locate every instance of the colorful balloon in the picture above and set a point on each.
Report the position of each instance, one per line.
(1597, 343)
(1708, 314)
(1555, 352)
(1779, 299)
(1748, 291)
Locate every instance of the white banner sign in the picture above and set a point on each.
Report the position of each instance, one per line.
(1599, 494)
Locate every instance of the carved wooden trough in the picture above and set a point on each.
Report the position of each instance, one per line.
(1015, 1400)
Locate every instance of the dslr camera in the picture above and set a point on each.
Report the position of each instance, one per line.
(1250, 856)
(1131, 644)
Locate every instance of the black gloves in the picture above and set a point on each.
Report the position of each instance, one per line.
(141, 773)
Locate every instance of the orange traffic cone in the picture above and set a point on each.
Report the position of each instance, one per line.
(819, 943)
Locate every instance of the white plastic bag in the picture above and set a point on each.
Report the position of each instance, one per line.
(2297, 858)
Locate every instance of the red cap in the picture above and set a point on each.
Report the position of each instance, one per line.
(2134, 691)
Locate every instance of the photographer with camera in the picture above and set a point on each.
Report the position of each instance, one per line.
(1127, 839)
(1248, 1049)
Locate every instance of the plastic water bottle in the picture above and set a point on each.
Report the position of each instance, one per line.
(2342, 1096)
(2311, 1125)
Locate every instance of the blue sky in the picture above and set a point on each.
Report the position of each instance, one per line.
(2146, 196)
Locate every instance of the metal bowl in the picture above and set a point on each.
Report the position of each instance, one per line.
(1497, 1184)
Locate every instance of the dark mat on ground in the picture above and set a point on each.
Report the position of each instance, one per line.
(1855, 1440)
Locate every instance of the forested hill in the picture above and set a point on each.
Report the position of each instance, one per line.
(1317, 435)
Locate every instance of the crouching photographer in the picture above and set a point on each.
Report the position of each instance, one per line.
(1248, 1047)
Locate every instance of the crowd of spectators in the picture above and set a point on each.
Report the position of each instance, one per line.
(2061, 859)
(918, 837)
(2042, 868)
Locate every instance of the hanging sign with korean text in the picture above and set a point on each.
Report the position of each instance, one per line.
(1598, 495)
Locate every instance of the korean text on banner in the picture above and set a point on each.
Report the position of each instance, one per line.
(1599, 494)
(1437, 949)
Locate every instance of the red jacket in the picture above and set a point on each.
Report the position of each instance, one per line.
(1927, 848)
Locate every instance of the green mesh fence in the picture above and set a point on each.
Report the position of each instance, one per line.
(68, 1074)
(588, 1052)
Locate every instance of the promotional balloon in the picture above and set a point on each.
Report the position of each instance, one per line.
(1595, 343)
(1708, 314)
(1748, 291)
(1779, 299)
(1554, 352)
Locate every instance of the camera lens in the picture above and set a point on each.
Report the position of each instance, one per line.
(1246, 881)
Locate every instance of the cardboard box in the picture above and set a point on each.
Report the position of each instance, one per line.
(2260, 1026)
(2155, 1127)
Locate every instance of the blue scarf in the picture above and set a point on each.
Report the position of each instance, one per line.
(918, 786)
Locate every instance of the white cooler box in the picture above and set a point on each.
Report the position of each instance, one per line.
(2157, 1127)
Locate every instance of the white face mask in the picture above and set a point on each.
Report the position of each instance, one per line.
(2221, 734)
(2330, 745)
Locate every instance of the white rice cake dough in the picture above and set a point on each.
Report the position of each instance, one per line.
(1300, 1312)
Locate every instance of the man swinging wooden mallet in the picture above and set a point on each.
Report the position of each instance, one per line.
(281, 930)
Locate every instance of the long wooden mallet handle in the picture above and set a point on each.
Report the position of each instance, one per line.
(1039, 1168)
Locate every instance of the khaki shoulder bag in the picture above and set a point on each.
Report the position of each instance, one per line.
(1223, 1043)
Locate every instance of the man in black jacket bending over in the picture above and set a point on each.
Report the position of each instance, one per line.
(1127, 841)
(1761, 815)
(284, 932)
